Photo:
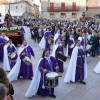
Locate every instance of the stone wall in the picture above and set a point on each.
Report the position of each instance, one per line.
(92, 12)
(57, 3)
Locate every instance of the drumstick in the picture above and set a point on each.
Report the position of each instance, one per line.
(43, 86)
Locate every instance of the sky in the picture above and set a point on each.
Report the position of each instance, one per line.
(37, 2)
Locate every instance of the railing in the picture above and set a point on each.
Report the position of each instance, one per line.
(63, 8)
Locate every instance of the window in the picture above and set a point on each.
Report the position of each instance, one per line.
(62, 4)
(21, 6)
(74, 15)
(63, 15)
(51, 4)
(16, 7)
(52, 15)
(6, 8)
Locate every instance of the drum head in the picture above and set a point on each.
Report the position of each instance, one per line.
(51, 75)
(27, 58)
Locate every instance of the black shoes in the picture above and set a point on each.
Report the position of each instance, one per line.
(38, 93)
(82, 82)
(30, 78)
(52, 96)
(18, 77)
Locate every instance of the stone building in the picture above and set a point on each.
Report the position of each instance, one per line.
(93, 8)
(18, 8)
(62, 9)
(3, 1)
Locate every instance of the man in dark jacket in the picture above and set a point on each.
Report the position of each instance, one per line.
(36, 34)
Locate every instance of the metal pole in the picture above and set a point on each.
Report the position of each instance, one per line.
(9, 8)
(9, 15)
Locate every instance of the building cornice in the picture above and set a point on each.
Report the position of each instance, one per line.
(93, 7)
(18, 3)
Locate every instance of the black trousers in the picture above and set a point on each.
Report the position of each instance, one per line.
(93, 53)
(36, 37)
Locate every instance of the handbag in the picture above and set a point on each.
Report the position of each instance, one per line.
(11, 91)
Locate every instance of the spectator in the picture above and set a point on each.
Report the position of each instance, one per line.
(93, 42)
(4, 80)
(32, 31)
(40, 33)
(3, 92)
(99, 45)
(89, 35)
(36, 34)
(63, 37)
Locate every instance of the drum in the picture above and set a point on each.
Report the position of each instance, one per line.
(51, 80)
(72, 46)
(14, 56)
(62, 58)
(27, 61)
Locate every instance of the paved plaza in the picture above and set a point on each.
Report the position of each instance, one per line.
(72, 91)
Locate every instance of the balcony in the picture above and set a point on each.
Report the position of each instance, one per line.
(58, 9)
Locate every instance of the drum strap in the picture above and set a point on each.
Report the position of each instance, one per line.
(44, 61)
(11, 49)
(25, 50)
(51, 59)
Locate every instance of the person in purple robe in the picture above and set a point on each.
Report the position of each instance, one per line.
(47, 64)
(70, 45)
(3, 40)
(1, 21)
(59, 51)
(22, 32)
(11, 49)
(82, 39)
(77, 68)
(26, 71)
(80, 64)
(57, 35)
(47, 39)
